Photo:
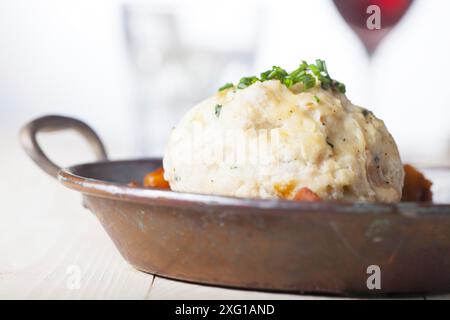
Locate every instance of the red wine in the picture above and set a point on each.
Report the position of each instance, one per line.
(354, 13)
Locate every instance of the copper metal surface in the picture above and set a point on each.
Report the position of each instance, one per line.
(260, 244)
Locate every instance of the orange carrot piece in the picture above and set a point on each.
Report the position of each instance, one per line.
(156, 179)
(416, 186)
(305, 194)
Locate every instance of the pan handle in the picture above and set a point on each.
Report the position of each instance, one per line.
(56, 123)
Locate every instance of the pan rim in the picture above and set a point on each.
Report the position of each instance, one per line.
(123, 192)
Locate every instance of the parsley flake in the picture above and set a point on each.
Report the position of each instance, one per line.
(217, 110)
(226, 86)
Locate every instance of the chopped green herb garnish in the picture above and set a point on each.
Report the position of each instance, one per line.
(308, 81)
(340, 86)
(226, 86)
(306, 74)
(217, 110)
(276, 73)
(247, 81)
(317, 99)
(321, 65)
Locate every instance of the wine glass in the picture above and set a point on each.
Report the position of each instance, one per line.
(356, 15)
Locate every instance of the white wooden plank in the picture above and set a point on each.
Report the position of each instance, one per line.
(85, 254)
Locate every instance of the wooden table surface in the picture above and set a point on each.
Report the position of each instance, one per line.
(48, 240)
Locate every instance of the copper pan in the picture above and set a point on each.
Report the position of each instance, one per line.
(256, 244)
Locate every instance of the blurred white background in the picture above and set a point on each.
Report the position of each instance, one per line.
(80, 58)
(130, 69)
